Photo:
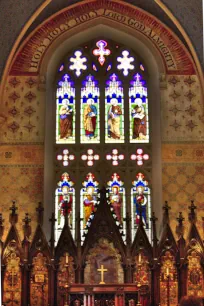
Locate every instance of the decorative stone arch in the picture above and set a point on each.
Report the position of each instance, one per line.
(161, 50)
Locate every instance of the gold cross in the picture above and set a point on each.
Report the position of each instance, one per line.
(102, 270)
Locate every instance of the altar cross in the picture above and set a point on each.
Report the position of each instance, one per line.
(102, 270)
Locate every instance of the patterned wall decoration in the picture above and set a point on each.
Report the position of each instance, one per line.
(23, 110)
(195, 284)
(182, 110)
(183, 180)
(24, 184)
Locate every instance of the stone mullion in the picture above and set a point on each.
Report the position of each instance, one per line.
(126, 150)
(78, 178)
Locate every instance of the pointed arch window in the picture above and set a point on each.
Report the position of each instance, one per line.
(101, 100)
(140, 204)
(88, 202)
(116, 197)
(65, 203)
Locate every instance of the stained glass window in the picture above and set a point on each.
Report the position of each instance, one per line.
(138, 109)
(114, 111)
(64, 200)
(65, 111)
(116, 196)
(141, 204)
(102, 119)
(125, 62)
(89, 201)
(90, 111)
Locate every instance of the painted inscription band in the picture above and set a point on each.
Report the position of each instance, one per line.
(173, 52)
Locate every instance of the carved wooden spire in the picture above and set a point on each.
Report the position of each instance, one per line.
(180, 232)
(26, 226)
(128, 229)
(13, 216)
(52, 238)
(180, 227)
(1, 227)
(1, 235)
(40, 211)
(192, 214)
(154, 219)
(103, 195)
(166, 209)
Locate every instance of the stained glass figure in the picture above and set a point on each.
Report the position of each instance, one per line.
(140, 203)
(89, 200)
(114, 111)
(65, 111)
(101, 52)
(139, 120)
(64, 200)
(90, 111)
(125, 62)
(78, 63)
(116, 194)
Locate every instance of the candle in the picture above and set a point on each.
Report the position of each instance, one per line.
(139, 258)
(167, 271)
(67, 258)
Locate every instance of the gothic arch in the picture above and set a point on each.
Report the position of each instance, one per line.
(101, 20)
(156, 69)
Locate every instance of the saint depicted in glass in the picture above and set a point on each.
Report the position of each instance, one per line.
(141, 203)
(114, 111)
(139, 121)
(65, 204)
(89, 199)
(65, 112)
(90, 118)
(116, 197)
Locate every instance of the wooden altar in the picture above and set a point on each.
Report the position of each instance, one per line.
(39, 273)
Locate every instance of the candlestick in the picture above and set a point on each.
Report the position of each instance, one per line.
(140, 257)
(67, 258)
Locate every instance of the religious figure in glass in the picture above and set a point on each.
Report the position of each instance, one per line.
(116, 197)
(65, 111)
(140, 202)
(114, 114)
(65, 198)
(89, 197)
(139, 121)
(66, 120)
(114, 111)
(90, 118)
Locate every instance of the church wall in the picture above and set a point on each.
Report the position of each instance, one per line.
(22, 123)
(22, 149)
(182, 147)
